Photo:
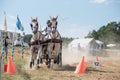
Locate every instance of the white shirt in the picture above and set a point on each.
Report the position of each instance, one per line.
(48, 30)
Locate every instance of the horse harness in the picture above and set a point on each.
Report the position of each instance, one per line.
(36, 41)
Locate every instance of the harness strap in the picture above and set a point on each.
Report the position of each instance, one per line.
(54, 40)
(37, 42)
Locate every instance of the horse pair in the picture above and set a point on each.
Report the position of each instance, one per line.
(39, 42)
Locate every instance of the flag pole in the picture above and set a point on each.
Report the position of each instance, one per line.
(13, 48)
(5, 24)
(4, 33)
(20, 27)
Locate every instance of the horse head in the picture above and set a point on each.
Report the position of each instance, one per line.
(54, 22)
(34, 25)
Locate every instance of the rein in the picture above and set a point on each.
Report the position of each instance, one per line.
(38, 41)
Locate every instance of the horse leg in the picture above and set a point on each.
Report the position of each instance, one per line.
(50, 51)
(49, 56)
(38, 56)
(49, 62)
(55, 53)
(41, 57)
(37, 65)
(33, 60)
(57, 57)
(31, 56)
(46, 54)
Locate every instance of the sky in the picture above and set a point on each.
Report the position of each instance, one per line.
(76, 18)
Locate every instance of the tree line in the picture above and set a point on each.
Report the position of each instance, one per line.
(109, 34)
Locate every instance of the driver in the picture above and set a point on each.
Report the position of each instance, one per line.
(48, 29)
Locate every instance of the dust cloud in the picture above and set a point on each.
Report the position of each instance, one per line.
(73, 56)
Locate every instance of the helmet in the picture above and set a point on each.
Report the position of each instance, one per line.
(48, 21)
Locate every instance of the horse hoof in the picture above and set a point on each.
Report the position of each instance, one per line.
(46, 63)
(48, 66)
(55, 61)
(37, 67)
(38, 61)
(30, 65)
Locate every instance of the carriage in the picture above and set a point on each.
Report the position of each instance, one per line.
(56, 59)
(49, 50)
(45, 57)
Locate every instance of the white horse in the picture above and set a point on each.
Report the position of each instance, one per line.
(55, 45)
(54, 22)
(35, 48)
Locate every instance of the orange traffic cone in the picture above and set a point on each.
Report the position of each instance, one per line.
(80, 69)
(97, 58)
(10, 66)
(97, 62)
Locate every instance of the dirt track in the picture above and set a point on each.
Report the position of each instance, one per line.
(110, 69)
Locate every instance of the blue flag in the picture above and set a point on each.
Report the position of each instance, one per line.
(19, 25)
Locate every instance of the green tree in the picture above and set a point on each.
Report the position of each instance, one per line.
(66, 40)
(92, 34)
(27, 38)
(109, 33)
